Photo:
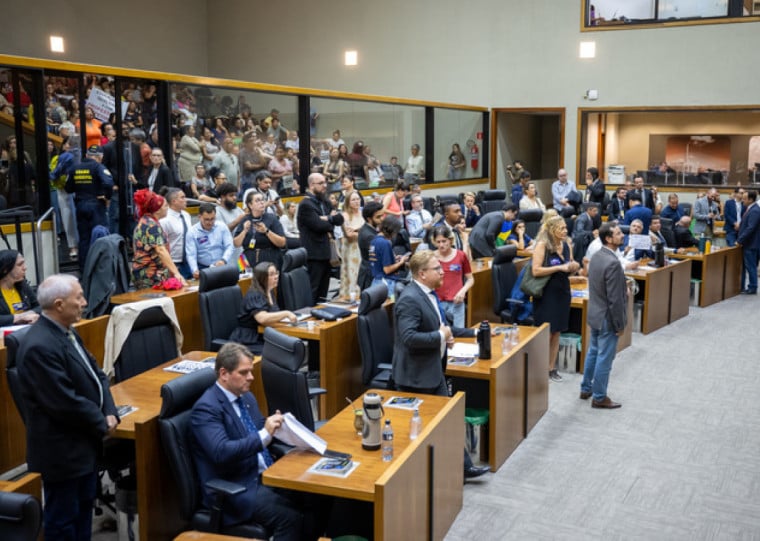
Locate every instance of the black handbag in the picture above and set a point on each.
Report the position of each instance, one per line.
(330, 313)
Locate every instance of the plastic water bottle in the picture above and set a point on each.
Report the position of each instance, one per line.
(515, 334)
(506, 341)
(387, 441)
(415, 425)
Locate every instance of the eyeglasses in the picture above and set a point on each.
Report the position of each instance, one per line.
(439, 268)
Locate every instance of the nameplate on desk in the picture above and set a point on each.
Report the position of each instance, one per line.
(185, 366)
(403, 402)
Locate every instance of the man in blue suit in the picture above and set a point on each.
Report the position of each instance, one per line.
(732, 214)
(749, 240)
(638, 211)
(229, 441)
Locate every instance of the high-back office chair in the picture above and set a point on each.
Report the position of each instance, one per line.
(20, 517)
(668, 232)
(139, 336)
(532, 219)
(12, 344)
(107, 272)
(220, 299)
(493, 200)
(178, 397)
(285, 385)
(444, 199)
(686, 207)
(294, 289)
(375, 337)
(504, 275)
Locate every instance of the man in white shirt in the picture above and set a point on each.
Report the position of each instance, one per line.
(176, 224)
(418, 221)
(561, 188)
(415, 166)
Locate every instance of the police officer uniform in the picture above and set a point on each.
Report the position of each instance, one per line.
(92, 186)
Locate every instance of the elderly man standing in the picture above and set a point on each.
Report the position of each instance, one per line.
(316, 221)
(209, 242)
(69, 409)
(606, 316)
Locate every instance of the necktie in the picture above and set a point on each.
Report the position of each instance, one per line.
(184, 236)
(441, 311)
(251, 428)
(86, 362)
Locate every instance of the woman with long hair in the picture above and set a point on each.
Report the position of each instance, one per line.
(350, 255)
(18, 303)
(260, 308)
(190, 154)
(553, 257)
(457, 163)
(333, 170)
(457, 275)
(530, 199)
(152, 263)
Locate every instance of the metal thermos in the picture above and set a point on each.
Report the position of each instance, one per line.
(373, 428)
(484, 340)
(659, 255)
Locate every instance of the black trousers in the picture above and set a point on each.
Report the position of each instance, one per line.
(319, 276)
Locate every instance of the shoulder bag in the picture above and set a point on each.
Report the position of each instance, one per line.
(534, 285)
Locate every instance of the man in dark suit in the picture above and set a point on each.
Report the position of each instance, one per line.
(645, 196)
(607, 302)
(618, 205)
(595, 188)
(673, 211)
(749, 240)
(229, 442)
(422, 334)
(584, 230)
(373, 214)
(684, 238)
(316, 221)
(492, 230)
(732, 214)
(69, 409)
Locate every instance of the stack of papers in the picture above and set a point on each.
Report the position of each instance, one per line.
(185, 366)
(294, 433)
(403, 402)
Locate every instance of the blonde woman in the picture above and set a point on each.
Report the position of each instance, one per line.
(553, 257)
(351, 256)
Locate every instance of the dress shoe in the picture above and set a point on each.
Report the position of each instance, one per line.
(605, 403)
(585, 395)
(750, 292)
(475, 471)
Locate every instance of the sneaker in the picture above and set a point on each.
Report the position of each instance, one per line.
(554, 375)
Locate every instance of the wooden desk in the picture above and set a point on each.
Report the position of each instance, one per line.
(579, 325)
(665, 293)
(720, 273)
(340, 365)
(517, 389)
(186, 305)
(30, 483)
(480, 297)
(399, 490)
(157, 504)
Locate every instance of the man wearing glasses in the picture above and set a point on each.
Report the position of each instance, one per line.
(422, 334)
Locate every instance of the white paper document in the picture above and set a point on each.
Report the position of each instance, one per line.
(640, 242)
(293, 433)
(460, 349)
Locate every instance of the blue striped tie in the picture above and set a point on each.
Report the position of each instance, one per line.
(251, 427)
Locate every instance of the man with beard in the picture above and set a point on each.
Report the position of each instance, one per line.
(316, 221)
(229, 213)
(373, 215)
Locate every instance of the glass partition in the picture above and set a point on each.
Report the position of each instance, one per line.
(616, 14)
(376, 143)
(458, 144)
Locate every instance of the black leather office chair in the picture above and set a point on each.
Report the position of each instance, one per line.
(285, 384)
(12, 344)
(686, 208)
(504, 275)
(668, 231)
(532, 219)
(445, 199)
(375, 338)
(220, 300)
(178, 397)
(150, 342)
(493, 200)
(20, 517)
(295, 287)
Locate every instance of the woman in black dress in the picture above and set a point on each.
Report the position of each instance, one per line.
(553, 257)
(260, 308)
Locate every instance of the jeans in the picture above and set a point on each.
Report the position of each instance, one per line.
(731, 235)
(601, 352)
(750, 268)
(454, 312)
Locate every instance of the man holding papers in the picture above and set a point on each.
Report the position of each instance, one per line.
(230, 439)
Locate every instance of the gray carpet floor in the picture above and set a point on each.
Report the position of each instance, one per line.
(679, 460)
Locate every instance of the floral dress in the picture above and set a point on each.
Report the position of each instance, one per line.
(147, 269)
(351, 257)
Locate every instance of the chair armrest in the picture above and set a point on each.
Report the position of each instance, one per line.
(384, 366)
(316, 391)
(225, 488)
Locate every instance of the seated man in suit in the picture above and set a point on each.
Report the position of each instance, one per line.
(656, 236)
(584, 231)
(733, 211)
(229, 441)
(422, 334)
(684, 238)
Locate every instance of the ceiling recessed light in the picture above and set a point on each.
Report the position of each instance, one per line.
(56, 44)
(588, 49)
(351, 58)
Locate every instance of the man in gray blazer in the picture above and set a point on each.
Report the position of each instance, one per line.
(422, 334)
(706, 209)
(492, 226)
(607, 317)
